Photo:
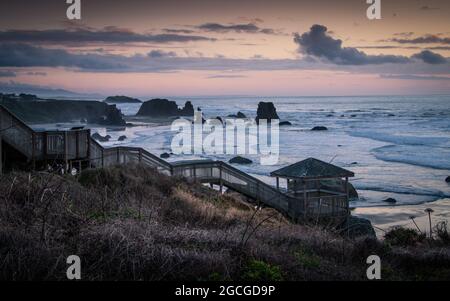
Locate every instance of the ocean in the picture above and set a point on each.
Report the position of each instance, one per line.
(397, 146)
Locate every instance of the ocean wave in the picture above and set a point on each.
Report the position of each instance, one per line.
(405, 140)
(421, 155)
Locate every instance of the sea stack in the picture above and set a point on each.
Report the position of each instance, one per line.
(164, 108)
(266, 110)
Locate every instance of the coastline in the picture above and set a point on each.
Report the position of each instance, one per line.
(386, 217)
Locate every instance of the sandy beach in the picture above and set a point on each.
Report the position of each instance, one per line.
(386, 217)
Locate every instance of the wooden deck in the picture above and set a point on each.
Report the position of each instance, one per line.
(79, 150)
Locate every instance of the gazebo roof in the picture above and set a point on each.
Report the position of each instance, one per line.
(312, 168)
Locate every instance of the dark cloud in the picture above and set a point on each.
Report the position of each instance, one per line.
(183, 31)
(107, 35)
(161, 54)
(226, 76)
(413, 77)
(7, 73)
(37, 73)
(318, 43)
(239, 28)
(426, 7)
(430, 57)
(426, 39)
(25, 55)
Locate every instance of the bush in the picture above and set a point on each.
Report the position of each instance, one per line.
(307, 258)
(399, 236)
(441, 231)
(257, 270)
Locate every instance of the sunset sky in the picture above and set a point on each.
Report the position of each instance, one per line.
(246, 47)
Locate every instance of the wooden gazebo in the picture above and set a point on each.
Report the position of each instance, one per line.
(320, 187)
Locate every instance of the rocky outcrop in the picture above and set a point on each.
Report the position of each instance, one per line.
(164, 108)
(121, 99)
(164, 156)
(240, 160)
(122, 138)
(188, 109)
(356, 227)
(55, 111)
(239, 115)
(101, 138)
(113, 117)
(390, 200)
(319, 128)
(338, 185)
(266, 110)
(285, 123)
(447, 179)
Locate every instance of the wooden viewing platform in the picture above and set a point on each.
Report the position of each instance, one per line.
(77, 149)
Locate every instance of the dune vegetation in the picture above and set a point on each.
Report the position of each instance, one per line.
(131, 223)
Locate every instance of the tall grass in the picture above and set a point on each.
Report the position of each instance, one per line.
(131, 223)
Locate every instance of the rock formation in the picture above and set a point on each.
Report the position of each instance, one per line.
(266, 110)
(319, 128)
(164, 108)
(240, 160)
(121, 99)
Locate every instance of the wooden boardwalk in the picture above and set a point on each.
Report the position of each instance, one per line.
(77, 149)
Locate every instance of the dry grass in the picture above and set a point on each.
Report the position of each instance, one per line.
(131, 223)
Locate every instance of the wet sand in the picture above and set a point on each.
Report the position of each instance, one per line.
(386, 217)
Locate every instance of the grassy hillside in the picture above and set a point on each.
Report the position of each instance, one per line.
(133, 224)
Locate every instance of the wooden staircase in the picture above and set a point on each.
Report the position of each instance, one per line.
(78, 149)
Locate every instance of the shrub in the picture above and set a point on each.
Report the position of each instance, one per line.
(399, 236)
(258, 270)
(441, 231)
(307, 258)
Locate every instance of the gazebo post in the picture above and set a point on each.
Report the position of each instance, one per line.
(304, 197)
(347, 194)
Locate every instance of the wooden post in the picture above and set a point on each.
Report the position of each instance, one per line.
(140, 155)
(77, 144)
(33, 150)
(278, 183)
(88, 150)
(304, 198)
(66, 150)
(103, 158)
(220, 179)
(347, 202)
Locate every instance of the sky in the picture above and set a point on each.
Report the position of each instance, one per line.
(246, 47)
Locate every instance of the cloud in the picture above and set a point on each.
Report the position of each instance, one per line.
(183, 31)
(36, 73)
(426, 7)
(7, 73)
(27, 56)
(107, 35)
(426, 39)
(239, 28)
(226, 76)
(319, 44)
(430, 57)
(161, 54)
(24, 55)
(413, 77)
